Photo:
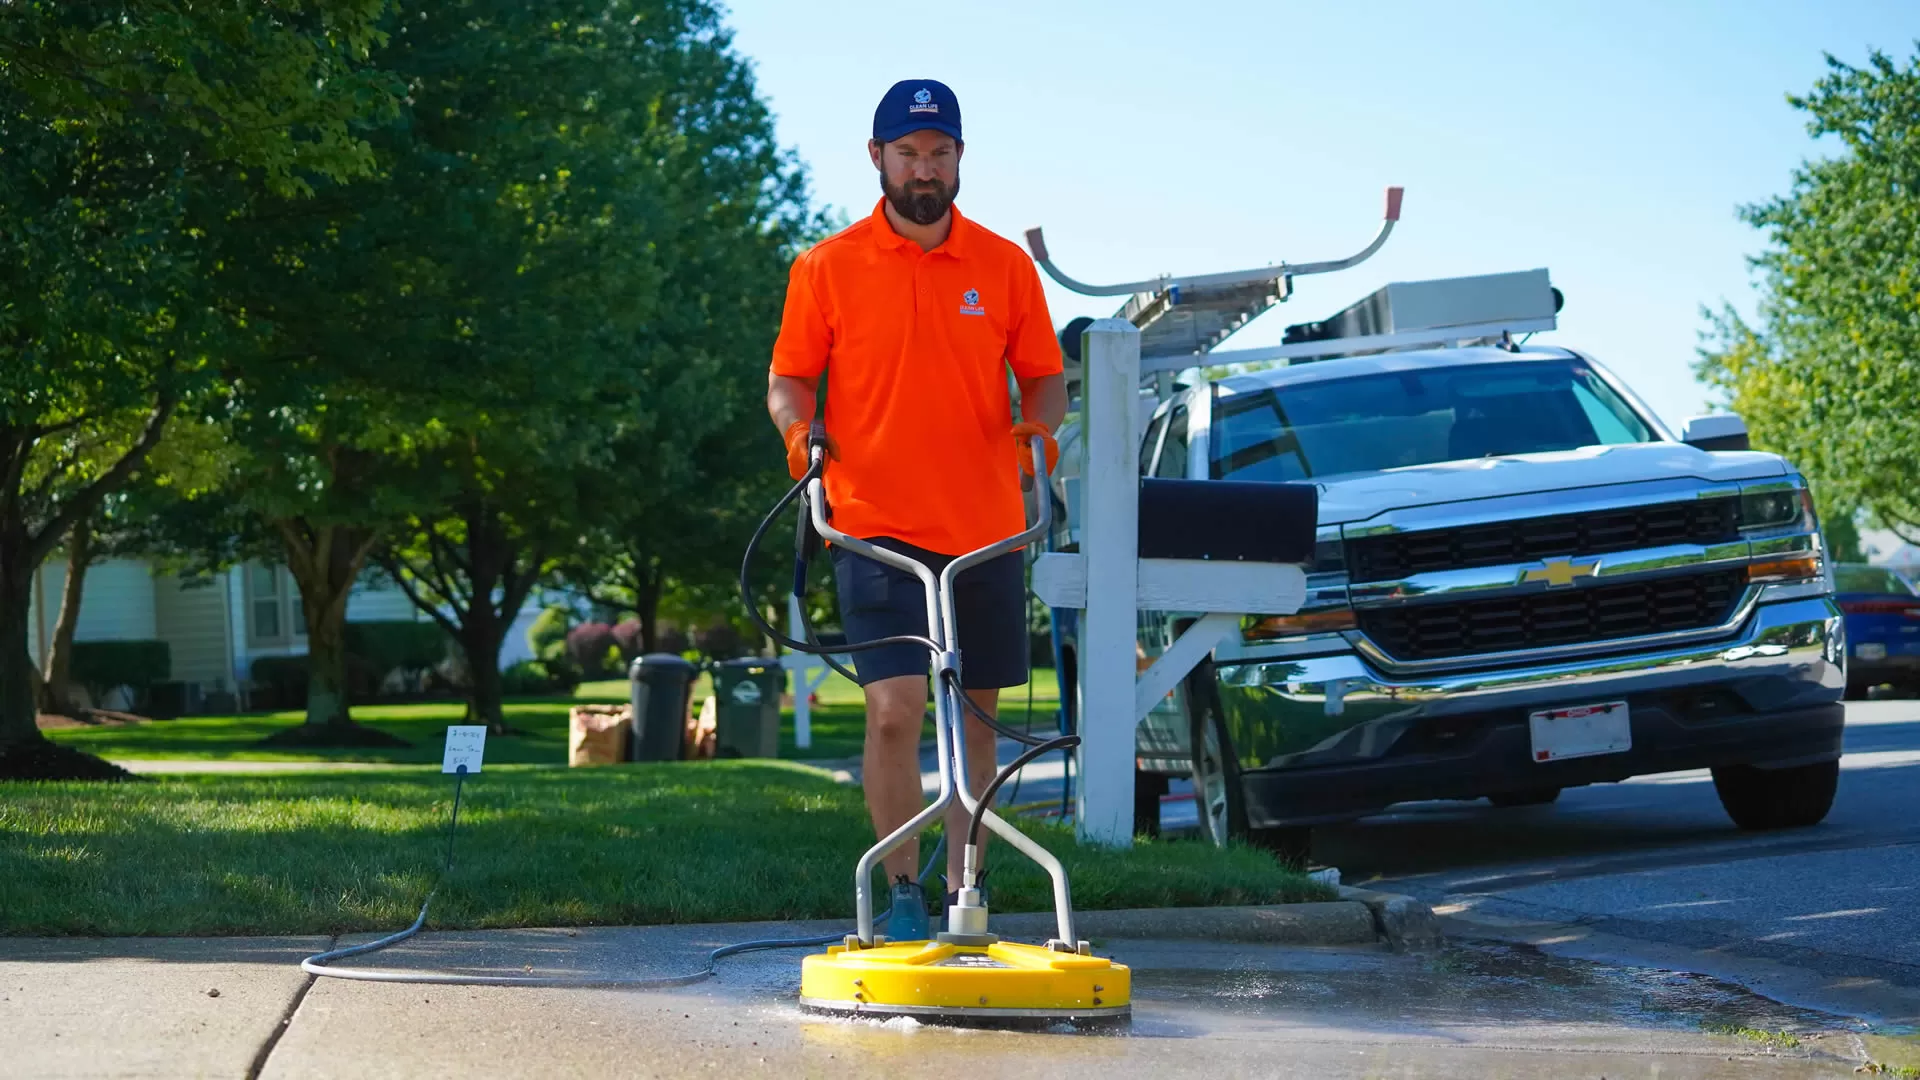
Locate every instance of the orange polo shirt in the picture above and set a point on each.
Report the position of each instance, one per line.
(917, 345)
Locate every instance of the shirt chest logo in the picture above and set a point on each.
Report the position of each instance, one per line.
(970, 303)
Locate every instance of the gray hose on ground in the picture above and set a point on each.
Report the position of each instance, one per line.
(318, 965)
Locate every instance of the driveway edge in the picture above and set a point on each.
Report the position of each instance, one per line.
(1403, 922)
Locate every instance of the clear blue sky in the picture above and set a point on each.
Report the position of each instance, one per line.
(1609, 142)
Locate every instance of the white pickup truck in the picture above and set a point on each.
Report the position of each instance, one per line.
(1523, 582)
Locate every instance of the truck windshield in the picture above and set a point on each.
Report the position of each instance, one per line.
(1371, 422)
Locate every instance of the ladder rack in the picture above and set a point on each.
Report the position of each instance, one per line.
(1187, 317)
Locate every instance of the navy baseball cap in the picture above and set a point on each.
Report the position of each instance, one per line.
(914, 105)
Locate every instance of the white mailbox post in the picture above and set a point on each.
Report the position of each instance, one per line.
(1110, 585)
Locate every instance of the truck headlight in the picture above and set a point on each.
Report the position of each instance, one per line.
(1774, 507)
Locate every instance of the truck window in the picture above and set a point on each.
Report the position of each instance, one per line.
(1173, 452)
(1151, 443)
(1389, 420)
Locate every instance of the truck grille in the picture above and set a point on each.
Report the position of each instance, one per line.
(1398, 555)
(1544, 619)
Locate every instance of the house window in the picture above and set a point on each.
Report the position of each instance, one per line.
(264, 624)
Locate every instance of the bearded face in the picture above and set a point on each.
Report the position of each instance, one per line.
(920, 175)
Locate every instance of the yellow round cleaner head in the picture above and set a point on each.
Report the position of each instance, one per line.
(998, 984)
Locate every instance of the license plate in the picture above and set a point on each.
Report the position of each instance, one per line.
(1870, 651)
(1580, 731)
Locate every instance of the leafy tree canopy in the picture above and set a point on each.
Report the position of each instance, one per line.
(1830, 376)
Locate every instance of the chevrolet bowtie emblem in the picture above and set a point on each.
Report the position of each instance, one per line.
(1559, 573)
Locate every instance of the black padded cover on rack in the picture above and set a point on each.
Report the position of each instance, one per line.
(1228, 520)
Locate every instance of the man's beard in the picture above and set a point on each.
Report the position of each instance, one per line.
(921, 202)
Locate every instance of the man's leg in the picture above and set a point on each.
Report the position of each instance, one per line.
(982, 745)
(890, 764)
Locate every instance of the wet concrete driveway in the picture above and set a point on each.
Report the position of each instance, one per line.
(1201, 1010)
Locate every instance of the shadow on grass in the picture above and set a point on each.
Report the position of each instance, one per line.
(634, 844)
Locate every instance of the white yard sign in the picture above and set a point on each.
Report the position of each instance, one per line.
(466, 745)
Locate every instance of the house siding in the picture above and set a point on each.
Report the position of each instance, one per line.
(116, 604)
(192, 619)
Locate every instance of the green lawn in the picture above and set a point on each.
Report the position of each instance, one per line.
(645, 843)
(838, 724)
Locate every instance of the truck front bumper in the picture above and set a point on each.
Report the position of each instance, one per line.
(1329, 738)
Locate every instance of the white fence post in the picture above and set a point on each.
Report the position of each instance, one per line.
(1110, 521)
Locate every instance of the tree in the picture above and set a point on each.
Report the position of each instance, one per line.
(1830, 376)
(184, 462)
(127, 131)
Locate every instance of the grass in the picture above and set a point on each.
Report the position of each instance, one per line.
(838, 723)
(1774, 1040)
(630, 844)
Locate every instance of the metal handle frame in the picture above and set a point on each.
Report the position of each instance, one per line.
(1037, 243)
(949, 712)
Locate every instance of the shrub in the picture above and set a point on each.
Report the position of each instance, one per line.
(547, 637)
(719, 641)
(671, 639)
(280, 682)
(97, 665)
(627, 634)
(409, 646)
(527, 677)
(561, 674)
(588, 645)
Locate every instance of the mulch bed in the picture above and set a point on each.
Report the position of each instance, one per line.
(43, 760)
(91, 718)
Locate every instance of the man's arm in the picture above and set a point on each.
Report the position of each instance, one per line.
(791, 399)
(1043, 400)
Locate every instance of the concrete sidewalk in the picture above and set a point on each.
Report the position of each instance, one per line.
(143, 1007)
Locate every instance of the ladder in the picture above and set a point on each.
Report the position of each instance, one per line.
(1183, 318)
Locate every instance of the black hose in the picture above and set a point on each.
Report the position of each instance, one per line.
(980, 714)
(773, 633)
(1063, 742)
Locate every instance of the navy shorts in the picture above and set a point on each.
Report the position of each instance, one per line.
(990, 608)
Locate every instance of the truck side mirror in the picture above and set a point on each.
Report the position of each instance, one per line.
(1721, 431)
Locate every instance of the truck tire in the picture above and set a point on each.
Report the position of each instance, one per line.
(1216, 769)
(1147, 789)
(1528, 797)
(1760, 799)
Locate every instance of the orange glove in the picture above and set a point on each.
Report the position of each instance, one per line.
(1023, 436)
(797, 451)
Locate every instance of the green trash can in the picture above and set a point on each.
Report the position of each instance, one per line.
(747, 691)
(659, 686)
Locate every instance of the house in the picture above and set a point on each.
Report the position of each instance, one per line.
(1883, 547)
(215, 627)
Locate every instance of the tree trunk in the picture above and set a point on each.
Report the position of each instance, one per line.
(56, 696)
(480, 640)
(325, 561)
(25, 754)
(647, 586)
(18, 708)
(327, 700)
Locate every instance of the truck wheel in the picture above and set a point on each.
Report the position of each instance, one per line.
(1529, 797)
(1147, 789)
(1216, 772)
(1777, 798)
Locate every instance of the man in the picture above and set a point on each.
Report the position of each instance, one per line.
(915, 315)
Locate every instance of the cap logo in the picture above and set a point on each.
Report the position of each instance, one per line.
(923, 102)
(923, 95)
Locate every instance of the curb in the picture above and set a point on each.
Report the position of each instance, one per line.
(1401, 921)
(1338, 922)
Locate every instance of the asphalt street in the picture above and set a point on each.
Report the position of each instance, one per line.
(1655, 862)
